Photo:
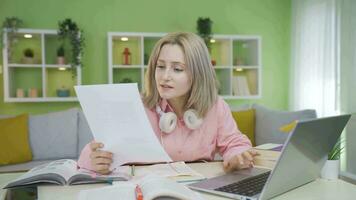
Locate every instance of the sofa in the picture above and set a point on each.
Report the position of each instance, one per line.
(63, 134)
(53, 136)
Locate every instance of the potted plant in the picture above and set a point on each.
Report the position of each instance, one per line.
(331, 167)
(28, 56)
(69, 30)
(10, 25)
(126, 80)
(204, 29)
(60, 55)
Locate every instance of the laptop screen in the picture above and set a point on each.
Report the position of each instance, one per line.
(304, 154)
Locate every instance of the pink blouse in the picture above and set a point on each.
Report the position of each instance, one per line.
(217, 134)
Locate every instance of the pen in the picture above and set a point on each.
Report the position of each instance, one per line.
(133, 170)
(138, 192)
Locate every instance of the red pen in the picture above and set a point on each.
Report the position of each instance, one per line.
(138, 192)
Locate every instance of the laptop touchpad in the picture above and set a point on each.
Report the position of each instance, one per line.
(216, 182)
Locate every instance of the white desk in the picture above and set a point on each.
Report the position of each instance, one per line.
(319, 189)
(4, 179)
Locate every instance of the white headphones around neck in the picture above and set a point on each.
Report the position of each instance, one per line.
(168, 121)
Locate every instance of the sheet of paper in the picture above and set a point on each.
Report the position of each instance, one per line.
(117, 118)
(170, 170)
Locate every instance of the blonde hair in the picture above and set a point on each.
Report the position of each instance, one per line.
(203, 92)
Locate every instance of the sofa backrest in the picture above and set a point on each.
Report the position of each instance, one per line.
(269, 122)
(84, 133)
(54, 135)
(64, 134)
(57, 135)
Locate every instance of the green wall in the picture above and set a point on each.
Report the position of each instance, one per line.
(268, 18)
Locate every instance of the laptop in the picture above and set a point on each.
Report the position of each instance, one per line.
(303, 155)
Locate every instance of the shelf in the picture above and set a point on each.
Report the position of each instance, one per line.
(244, 67)
(148, 45)
(224, 79)
(25, 65)
(47, 99)
(52, 44)
(127, 75)
(127, 66)
(133, 45)
(245, 82)
(222, 67)
(37, 79)
(233, 56)
(220, 52)
(57, 66)
(19, 44)
(245, 52)
(59, 79)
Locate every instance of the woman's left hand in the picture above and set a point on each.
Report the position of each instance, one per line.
(241, 161)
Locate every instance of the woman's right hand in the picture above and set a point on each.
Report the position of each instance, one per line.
(100, 160)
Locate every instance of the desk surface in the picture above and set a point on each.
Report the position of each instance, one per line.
(319, 189)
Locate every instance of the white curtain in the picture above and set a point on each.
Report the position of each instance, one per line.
(314, 59)
(348, 82)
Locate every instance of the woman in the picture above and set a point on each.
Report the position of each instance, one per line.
(185, 112)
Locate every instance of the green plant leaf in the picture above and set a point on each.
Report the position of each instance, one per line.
(69, 29)
(336, 151)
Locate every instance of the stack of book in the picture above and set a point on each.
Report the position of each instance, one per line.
(240, 86)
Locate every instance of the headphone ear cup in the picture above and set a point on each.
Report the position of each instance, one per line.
(191, 119)
(168, 122)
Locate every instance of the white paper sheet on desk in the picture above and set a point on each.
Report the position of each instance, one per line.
(178, 171)
(117, 118)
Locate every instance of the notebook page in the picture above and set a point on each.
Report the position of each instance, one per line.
(178, 171)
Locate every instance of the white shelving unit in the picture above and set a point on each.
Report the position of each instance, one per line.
(42, 74)
(237, 60)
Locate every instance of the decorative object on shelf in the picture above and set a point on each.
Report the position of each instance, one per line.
(28, 56)
(20, 93)
(32, 93)
(126, 80)
(331, 167)
(126, 56)
(70, 30)
(63, 92)
(204, 29)
(11, 24)
(240, 86)
(60, 55)
(213, 62)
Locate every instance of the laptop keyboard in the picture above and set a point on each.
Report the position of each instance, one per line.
(247, 187)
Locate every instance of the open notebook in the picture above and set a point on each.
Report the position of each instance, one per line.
(65, 172)
(152, 187)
